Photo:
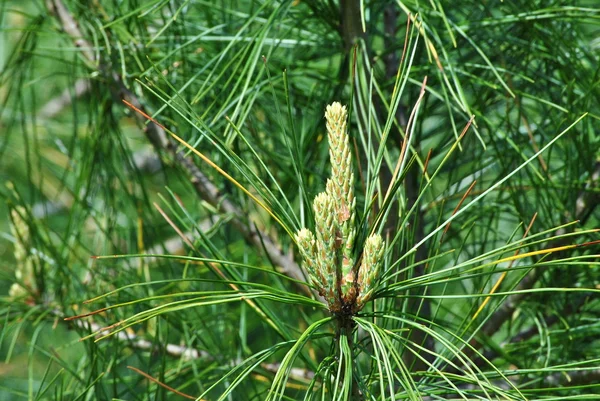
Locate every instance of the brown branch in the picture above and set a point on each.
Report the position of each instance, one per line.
(57, 104)
(173, 350)
(179, 351)
(526, 334)
(392, 63)
(575, 378)
(351, 23)
(567, 378)
(162, 143)
(352, 34)
(586, 203)
(134, 341)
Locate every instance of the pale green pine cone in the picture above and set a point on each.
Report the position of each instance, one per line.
(341, 161)
(308, 249)
(369, 270)
(341, 189)
(327, 254)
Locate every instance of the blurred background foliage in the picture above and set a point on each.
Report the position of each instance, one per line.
(246, 84)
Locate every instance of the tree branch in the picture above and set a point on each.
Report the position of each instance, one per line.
(179, 351)
(575, 378)
(161, 142)
(586, 203)
(57, 104)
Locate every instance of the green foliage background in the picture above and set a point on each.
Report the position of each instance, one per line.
(246, 84)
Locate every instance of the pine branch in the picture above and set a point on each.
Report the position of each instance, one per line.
(575, 378)
(135, 341)
(392, 62)
(57, 104)
(587, 202)
(179, 351)
(351, 30)
(204, 187)
(526, 334)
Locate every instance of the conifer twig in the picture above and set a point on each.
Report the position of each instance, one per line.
(161, 142)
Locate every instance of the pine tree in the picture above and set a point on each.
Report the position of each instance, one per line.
(302, 200)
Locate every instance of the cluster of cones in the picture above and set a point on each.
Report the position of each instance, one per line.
(329, 254)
